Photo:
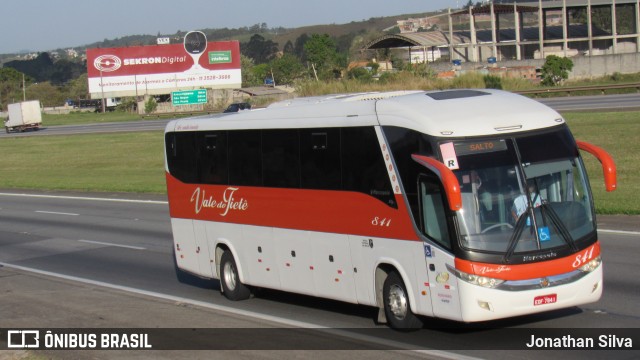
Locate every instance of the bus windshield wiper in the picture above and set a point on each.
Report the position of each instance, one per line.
(517, 231)
(557, 221)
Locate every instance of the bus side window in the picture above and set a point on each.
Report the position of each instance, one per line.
(320, 159)
(363, 167)
(212, 159)
(281, 158)
(245, 157)
(181, 148)
(433, 211)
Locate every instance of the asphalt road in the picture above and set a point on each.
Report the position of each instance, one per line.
(575, 103)
(591, 103)
(106, 240)
(132, 126)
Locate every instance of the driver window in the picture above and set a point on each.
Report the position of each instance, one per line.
(433, 218)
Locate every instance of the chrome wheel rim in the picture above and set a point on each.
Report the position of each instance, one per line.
(397, 302)
(229, 276)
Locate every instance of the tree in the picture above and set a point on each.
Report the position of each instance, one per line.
(248, 75)
(11, 85)
(555, 70)
(79, 88)
(42, 68)
(360, 73)
(128, 104)
(287, 69)
(48, 94)
(298, 47)
(64, 71)
(150, 105)
(321, 52)
(261, 72)
(288, 48)
(259, 49)
(39, 68)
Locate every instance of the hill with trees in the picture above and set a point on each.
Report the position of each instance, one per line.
(320, 51)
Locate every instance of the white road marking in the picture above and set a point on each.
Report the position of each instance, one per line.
(251, 314)
(87, 198)
(623, 232)
(111, 244)
(56, 213)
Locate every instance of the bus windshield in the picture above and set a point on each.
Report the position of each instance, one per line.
(522, 194)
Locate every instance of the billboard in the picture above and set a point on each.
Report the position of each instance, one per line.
(161, 69)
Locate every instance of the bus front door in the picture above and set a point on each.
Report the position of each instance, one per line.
(437, 244)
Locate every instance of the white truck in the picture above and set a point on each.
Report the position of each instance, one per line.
(23, 116)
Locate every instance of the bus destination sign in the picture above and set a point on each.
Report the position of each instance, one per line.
(480, 146)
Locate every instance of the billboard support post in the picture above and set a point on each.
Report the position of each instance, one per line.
(102, 90)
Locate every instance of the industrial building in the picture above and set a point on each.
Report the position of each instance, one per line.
(524, 30)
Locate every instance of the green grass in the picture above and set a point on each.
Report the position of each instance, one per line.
(617, 133)
(111, 162)
(76, 118)
(134, 162)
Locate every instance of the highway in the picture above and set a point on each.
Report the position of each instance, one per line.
(592, 103)
(124, 241)
(575, 103)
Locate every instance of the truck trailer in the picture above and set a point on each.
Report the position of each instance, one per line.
(23, 116)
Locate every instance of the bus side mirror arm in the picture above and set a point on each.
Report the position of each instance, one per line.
(447, 178)
(608, 165)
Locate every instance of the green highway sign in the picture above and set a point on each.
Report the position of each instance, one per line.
(189, 97)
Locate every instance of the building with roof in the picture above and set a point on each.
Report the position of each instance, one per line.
(520, 30)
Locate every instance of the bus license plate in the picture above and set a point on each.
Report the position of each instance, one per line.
(545, 299)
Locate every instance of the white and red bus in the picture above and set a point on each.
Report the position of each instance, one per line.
(468, 205)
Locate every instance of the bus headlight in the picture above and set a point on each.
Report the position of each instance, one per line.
(483, 281)
(591, 265)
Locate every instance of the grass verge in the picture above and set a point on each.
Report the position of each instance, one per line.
(616, 132)
(130, 162)
(76, 118)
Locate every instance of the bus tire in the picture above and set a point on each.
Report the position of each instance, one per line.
(396, 304)
(230, 283)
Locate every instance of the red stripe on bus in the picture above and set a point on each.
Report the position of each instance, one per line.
(533, 270)
(341, 212)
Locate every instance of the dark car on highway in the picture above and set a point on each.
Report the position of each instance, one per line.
(235, 107)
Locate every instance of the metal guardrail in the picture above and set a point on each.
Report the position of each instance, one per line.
(569, 90)
(177, 114)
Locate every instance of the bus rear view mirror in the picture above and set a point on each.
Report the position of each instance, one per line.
(447, 178)
(608, 165)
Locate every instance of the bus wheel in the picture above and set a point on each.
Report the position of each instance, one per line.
(396, 304)
(232, 288)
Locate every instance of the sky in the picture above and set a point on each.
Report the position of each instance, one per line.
(41, 25)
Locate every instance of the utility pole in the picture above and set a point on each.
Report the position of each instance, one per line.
(24, 89)
(273, 78)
